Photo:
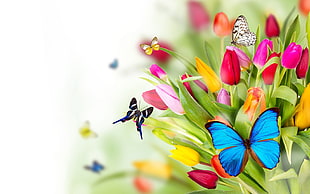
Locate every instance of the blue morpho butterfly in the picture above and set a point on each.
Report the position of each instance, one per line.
(114, 64)
(137, 115)
(95, 167)
(260, 146)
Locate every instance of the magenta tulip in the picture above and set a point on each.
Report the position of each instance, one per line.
(291, 56)
(302, 67)
(261, 54)
(230, 69)
(268, 73)
(272, 28)
(223, 97)
(197, 82)
(244, 60)
(151, 97)
(158, 72)
(205, 178)
(198, 15)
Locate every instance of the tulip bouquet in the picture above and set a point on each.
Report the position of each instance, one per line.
(234, 93)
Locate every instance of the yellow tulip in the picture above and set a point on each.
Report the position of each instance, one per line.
(302, 116)
(209, 76)
(185, 155)
(153, 168)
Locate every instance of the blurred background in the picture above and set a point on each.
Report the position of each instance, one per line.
(55, 75)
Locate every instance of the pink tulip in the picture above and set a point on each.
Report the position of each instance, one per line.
(272, 28)
(151, 97)
(261, 54)
(170, 98)
(205, 178)
(302, 67)
(223, 97)
(244, 60)
(158, 72)
(230, 68)
(197, 82)
(291, 56)
(268, 73)
(198, 15)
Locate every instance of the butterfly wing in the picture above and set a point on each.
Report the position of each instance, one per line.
(154, 44)
(246, 39)
(265, 151)
(241, 34)
(95, 167)
(147, 49)
(114, 64)
(86, 132)
(234, 157)
(147, 112)
(131, 113)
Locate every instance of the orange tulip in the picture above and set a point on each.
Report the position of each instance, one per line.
(304, 6)
(255, 101)
(215, 163)
(221, 25)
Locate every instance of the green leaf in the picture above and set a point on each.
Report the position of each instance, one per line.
(284, 28)
(242, 124)
(288, 143)
(302, 142)
(257, 38)
(193, 78)
(211, 58)
(284, 175)
(304, 176)
(278, 186)
(299, 88)
(285, 93)
(294, 27)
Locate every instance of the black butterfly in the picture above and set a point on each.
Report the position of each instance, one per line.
(95, 167)
(137, 115)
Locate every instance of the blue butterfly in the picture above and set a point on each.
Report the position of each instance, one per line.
(260, 146)
(114, 64)
(95, 167)
(137, 115)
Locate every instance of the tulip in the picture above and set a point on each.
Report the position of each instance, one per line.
(303, 65)
(272, 28)
(209, 76)
(186, 155)
(223, 97)
(142, 184)
(197, 82)
(230, 69)
(244, 60)
(170, 98)
(261, 54)
(215, 163)
(220, 119)
(158, 72)
(304, 6)
(302, 116)
(268, 73)
(198, 16)
(151, 97)
(153, 168)
(291, 56)
(255, 101)
(221, 25)
(205, 178)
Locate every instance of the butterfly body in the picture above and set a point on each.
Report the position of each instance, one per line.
(95, 167)
(137, 115)
(241, 34)
(260, 146)
(148, 49)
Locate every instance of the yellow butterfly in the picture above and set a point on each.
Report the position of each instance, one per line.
(86, 132)
(149, 49)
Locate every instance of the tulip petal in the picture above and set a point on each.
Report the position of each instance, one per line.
(158, 72)
(151, 97)
(261, 54)
(302, 116)
(209, 76)
(198, 15)
(205, 178)
(291, 56)
(244, 60)
(272, 28)
(185, 155)
(221, 25)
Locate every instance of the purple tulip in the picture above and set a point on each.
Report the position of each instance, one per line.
(244, 60)
(291, 56)
(158, 72)
(205, 178)
(303, 65)
(261, 54)
(223, 97)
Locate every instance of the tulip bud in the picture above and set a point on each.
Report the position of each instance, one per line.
(268, 73)
(223, 97)
(254, 100)
(291, 56)
(221, 25)
(158, 72)
(186, 155)
(151, 97)
(302, 67)
(205, 178)
(198, 16)
(230, 69)
(244, 60)
(261, 54)
(302, 116)
(215, 163)
(272, 28)
(304, 6)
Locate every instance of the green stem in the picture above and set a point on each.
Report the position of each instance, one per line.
(231, 95)
(222, 47)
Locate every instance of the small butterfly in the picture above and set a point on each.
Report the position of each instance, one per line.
(241, 34)
(95, 167)
(114, 64)
(86, 132)
(236, 150)
(137, 115)
(149, 49)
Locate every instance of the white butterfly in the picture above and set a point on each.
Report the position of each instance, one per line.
(241, 34)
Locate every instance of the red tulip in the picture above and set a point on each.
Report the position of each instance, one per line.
(304, 6)
(205, 178)
(302, 67)
(268, 73)
(198, 15)
(230, 69)
(221, 25)
(244, 60)
(272, 28)
(151, 97)
(291, 56)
